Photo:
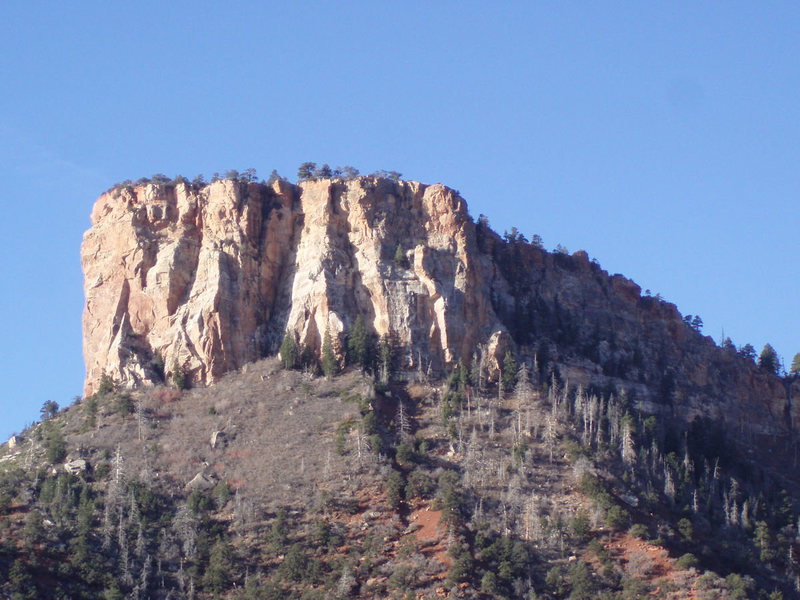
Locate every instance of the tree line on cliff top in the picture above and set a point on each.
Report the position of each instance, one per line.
(768, 359)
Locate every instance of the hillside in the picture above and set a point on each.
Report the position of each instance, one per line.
(322, 488)
(451, 413)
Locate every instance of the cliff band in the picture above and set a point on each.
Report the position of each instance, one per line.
(211, 277)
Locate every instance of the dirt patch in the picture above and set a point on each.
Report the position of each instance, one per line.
(429, 535)
(653, 565)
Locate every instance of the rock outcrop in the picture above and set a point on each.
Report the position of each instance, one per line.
(208, 278)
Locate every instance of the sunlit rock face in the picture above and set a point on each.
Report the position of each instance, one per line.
(211, 277)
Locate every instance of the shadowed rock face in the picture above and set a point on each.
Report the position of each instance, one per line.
(212, 277)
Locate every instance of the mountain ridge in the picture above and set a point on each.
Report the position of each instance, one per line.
(495, 421)
(207, 278)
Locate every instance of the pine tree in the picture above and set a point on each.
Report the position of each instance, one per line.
(387, 358)
(330, 364)
(323, 172)
(178, 376)
(306, 171)
(400, 256)
(220, 564)
(795, 370)
(358, 345)
(509, 378)
(288, 351)
(768, 359)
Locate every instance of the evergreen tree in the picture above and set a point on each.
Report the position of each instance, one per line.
(747, 351)
(348, 172)
(358, 345)
(55, 445)
(509, 378)
(178, 376)
(306, 171)
(288, 351)
(49, 410)
(330, 364)
(324, 172)
(106, 385)
(768, 360)
(220, 564)
(795, 370)
(386, 358)
(463, 375)
(400, 256)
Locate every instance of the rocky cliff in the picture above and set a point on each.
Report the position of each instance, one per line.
(211, 277)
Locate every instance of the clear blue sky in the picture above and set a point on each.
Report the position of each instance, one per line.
(663, 138)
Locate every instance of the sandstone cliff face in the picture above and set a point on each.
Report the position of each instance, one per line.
(187, 274)
(212, 277)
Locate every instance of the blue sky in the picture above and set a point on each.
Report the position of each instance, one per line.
(662, 138)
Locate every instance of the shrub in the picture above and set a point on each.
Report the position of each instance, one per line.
(90, 411)
(106, 385)
(593, 488)
(579, 578)
(198, 502)
(222, 493)
(638, 531)
(580, 525)
(640, 564)
(617, 518)
(400, 256)
(685, 527)
(686, 561)
(123, 405)
(405, 453)
(489, 583)
(55, 446)
(420, 485)
(341, 437)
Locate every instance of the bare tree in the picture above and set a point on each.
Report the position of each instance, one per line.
(524, 392)
(139, 408)
(628, 448)
(550, 434)
(402, 419)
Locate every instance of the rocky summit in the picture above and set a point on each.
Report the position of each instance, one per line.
(206, 278)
